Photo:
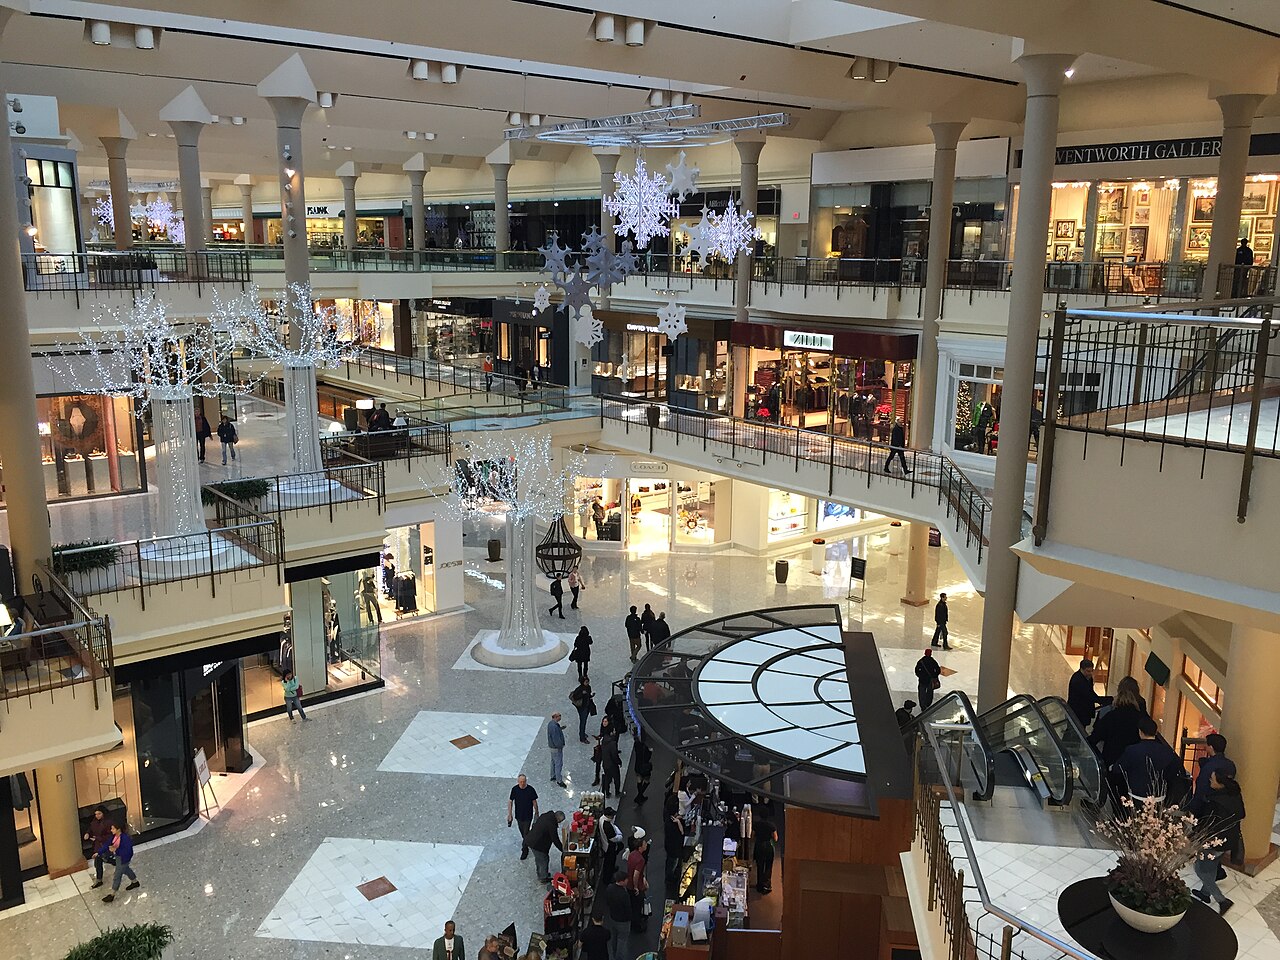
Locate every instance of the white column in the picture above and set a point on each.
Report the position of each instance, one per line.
(246, 212)
(1237, 127)
(118, 176)
(1091, 223)
(350, 237)
(1044, 76)
(749, 189)
(501, 216)
(1250, 718)
(206, 211)
(187, 134)
(416, 170)
(608, 158)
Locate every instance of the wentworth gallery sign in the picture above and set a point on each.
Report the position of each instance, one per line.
(1183, 148)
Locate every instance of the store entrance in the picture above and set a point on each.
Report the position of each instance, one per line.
(650, 513)
(819, 391)
(217, 720)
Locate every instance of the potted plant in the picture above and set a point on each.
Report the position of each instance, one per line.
(249, 492)
(1155, 841)
(143, 941)
(88, 566)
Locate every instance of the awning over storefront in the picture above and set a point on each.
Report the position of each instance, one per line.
(700, 328)
(844, 341)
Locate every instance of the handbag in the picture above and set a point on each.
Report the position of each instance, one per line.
(936, 683)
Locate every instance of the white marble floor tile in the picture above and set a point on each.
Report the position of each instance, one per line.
(324, 903)
(900, 669)
(502, 750)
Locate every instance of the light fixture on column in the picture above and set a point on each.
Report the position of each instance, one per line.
(99, 32)
(604, 27)
(326, 99)
(635, 32)
(144, 38)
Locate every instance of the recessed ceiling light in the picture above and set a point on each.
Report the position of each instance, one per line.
(348, 148)
(153, 134)
(170, 136)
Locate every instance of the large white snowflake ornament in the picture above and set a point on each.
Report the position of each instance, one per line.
(102, 211)
(592, 241)
(684, 178)
(588, 329)
(553, 257)
(641, 205)
(700, 237)
(541, 298)
(731, 232)
(576, 292)
(671, 320)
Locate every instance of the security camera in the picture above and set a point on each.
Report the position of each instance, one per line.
(292, 234)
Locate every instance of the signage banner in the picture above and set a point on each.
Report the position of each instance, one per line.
(800, 340)
(202, 767)
(1171, 148)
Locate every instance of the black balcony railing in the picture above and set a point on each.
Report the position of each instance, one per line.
(136, 271)
(401, 444)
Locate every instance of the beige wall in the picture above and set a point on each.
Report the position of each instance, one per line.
(57, 726)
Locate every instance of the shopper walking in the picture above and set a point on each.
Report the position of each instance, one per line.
(637, 882)
(584, 517)
(897, 447)
(98, 833)
(1216, 761)
(634, 632)
(661, 630)
(927, 678)
(228, 437)
(488, 374)
(575, 586)
(522, 804)
(543, 835)
(292, 695)
(555, 743)
(940, 616)
(647, 619)
(557, 593)
(585, 703)
(611, 765)
(121, 847)
(1116, 729)
(1081, 698)
(203, 432)
(611, 841)
(1224, 809)
(450, 946)
(581, 654)
(597, 753)
(644, 768)
(615, 908)
(765, 835)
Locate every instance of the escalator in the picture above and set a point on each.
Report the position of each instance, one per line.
(1036, 744)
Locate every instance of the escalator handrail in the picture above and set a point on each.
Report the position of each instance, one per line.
(1074, 723)
(1026, 703)
(958, 697)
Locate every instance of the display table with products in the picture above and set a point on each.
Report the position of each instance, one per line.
(566, 909)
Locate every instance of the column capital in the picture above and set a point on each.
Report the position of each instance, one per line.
(348, 180)
(500, 170)
(749, 148)
(115, 146)
(246, 190)
(1044, 73)
(186, 132)
(348, 169)
(1238, 109)
(290, 90)
(608, 158)
(186, 115)
(946, 133)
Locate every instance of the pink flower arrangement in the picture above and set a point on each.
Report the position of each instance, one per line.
(1155, 841)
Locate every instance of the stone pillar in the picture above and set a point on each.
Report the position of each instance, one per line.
(1177, 233)
(118, 176)
(1044, 76)
(608, 158)
(1237, 126)
(416, 170)
(60, 817)
(24, 490)
(350, 236)
(749, 188)
(206, 211)
(501, 216)
(1250, 717)
(1091, 223)
(246, 212)
(187, 134)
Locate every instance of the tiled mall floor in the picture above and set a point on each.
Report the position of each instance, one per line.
(464, 744)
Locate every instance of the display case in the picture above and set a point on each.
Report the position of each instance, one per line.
(788, 514)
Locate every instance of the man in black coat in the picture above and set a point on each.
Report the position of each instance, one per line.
(940, 616)
(542, 836)
(634, 632)
(897, 447)
(927, 675)
(1081, 698)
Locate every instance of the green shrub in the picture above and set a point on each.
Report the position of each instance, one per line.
(95, 555)
(240, 490)
(143, 941)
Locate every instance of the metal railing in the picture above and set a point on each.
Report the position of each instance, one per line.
(75, 650)
(343, 485)
(136, 271)
(405, 444)
(459, 378)
(962, 500)
(437, 259)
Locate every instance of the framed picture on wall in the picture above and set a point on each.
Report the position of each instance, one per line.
(1246, 228)
(1142, 198)
(1111, 240)
(1135, 244)
(1061, 251)
(1111, 205)
(1257, 197)
(1080, 238)
(1262, 244)
(1198, 238)
(1202, 209)
(1064, 229)
(1263, 226)
(1141, 215)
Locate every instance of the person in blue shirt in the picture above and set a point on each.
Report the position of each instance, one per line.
(1217, 760)
(555, 743)
(122, 848)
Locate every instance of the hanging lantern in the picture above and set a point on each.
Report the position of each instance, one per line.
(558, 553)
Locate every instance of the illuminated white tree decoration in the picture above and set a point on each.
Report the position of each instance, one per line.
(139, 352)
(731, 232)
(157, 215)
(515, 472)
(684, 178)
(671, 320)
(641, 205)
(301, 336)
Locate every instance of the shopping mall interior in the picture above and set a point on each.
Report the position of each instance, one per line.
(616, 480)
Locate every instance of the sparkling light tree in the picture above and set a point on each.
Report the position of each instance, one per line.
(515, 472)
(139, 352)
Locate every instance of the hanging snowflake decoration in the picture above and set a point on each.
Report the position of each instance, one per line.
(732, 232)
(592, 241)
(541, 298)
(605, 268)
(628, 262)
(576, 292)
(102, 211)
(671, 320)
(684, 178)
(588, 329)
(700, 237)
(553, 257)
(641, 205)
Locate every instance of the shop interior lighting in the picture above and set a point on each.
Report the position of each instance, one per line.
(99, 32)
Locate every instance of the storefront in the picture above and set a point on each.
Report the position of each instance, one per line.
(832, 379)
(376, 226)
(48, 208)
(636, 360)
(89, 446)
(530, 342)
(453, 329)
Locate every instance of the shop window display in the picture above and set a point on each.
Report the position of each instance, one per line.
(788, 514)
(840, 395)
(26, 821)
(598, 508)
(88, 445)
(649, 511)
(976, 423)
(635, 362)
(53, 214)
(695, 512)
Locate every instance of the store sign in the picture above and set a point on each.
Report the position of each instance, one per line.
(208, 668)
(799, 340)
(1172, 148)
(641, 328)
(202, 767)
(647, 467)
(320, 210)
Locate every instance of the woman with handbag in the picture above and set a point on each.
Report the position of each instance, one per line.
(581, 654)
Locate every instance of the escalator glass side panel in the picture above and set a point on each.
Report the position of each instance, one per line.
(1020, 723)
(1088, 768)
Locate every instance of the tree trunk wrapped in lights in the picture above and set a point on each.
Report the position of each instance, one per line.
(515, 472)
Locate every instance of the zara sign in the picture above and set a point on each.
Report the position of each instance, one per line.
(799, 340)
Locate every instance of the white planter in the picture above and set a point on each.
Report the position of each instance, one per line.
(89, 582)
(1145, 922)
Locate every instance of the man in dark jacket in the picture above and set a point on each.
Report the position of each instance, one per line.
(98, 833)
(904, 714)
(660, 632)
(1150, 764)
(927, 675)
(542, 836)
(228, 437)
(203, 432)
(634, 632)
(897, 447)
(1223, 811)
(610, 765)
(1216, 761)
(647, 620)
(940, 616)
(557, 594)
(1244, 260)
(1081, 698)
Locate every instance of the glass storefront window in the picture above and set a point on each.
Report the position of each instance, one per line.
(695, 512)
(88, 445)
(327, 231)
(975, 421)
(604, 523)
(702, 369)
(446, 337)
(788, 514)
(26, 820)
(819, 391)
(649, 509)
(636, 360)
(53, 207)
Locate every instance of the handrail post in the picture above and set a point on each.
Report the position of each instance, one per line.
(1255, 408)
(1044, 452)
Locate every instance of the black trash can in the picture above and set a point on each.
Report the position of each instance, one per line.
(781, 569)
(495, 550)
